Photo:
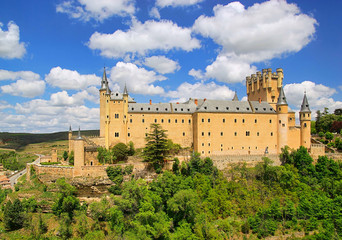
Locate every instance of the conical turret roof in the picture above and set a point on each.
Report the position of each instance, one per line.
(70, 129)
(282, 98)
(104, 82)
(79, 133)
(235, 98)
(305, 105)
(125, 90)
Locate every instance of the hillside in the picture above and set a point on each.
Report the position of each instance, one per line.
(19, 140)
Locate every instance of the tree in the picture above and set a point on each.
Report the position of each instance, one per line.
(13, 215)
(65, 155)
(175, 166)
(71, 158)
(131, 150)
(103, 155)
(120, 151)
(156, 148)
(329, 136)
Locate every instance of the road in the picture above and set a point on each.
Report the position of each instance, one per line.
(14, 178)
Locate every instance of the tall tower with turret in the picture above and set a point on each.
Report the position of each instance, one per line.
(282, 110)
(305, 123)
(103, 90)
(78, 154)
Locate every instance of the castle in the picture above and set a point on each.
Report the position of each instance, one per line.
(262, 124)
(227, 131)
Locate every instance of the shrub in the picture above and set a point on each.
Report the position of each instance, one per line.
(120, 151)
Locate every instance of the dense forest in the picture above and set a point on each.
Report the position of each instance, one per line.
(194, 201)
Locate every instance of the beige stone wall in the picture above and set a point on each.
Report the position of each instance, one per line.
(52, 173)
(102, 112)
(178, 126)
(294, 138)
(78, 157)
(90, 158)
(317, 150)
(235, 134)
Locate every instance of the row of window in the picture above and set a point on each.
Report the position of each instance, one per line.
(162, 121)
(235, 120)
(248, 133)
(228, 148)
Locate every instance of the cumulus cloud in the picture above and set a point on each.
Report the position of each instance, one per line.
(24, 75)
(154, 12)
(176, 3)
(162, 64)
(319, 96)
(258, 33)
(138, 80)
(10, 45)
(98, 10)
(68, 79)
(142, 38)
(201, 90)
(198, 74)
(24, 88)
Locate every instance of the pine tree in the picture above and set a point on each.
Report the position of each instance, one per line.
(156, 148)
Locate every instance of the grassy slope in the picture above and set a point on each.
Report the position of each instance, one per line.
(20, 140)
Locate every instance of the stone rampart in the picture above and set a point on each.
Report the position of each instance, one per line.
(223, 162)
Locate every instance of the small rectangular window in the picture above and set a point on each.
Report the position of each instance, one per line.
(270, 120)
(235, 120)
(116, 134)
(169, 120)
(202, 133)
(221, 133)
(271, 133)
(183, 134)
(189, 121)
(209, 134)
(143, 120)
(162, 120)
(255, 121)
(155, 120)
(130, 120)
(235, 134)
(223, 120)
(208, 120)
(182, 120)
(208, 144)
(247, 133)
(258, 134)
(129, 134)
(175, 120)
(243, 120)
(202, 119)
(202, 144)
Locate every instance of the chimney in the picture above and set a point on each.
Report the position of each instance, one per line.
(150, 102)
(259, 100)
(196, 101)
(177, 102)
(204, 99)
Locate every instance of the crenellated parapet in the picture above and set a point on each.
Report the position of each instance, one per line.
(264, 85)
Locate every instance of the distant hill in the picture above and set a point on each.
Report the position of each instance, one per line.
(18, 140)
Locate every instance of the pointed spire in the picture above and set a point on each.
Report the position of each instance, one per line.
(104, 82)
(305, 104)
(70, 129)
(282, 98)
(125, 90)
(79, 133)
(235, 98)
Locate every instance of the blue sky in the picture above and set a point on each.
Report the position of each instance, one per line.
(52, 54)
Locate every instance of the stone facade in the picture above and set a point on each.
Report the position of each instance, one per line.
(262, 124)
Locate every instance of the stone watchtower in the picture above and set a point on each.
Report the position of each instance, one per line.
(265, 86)
(282, 110)
(104, 109)
(78, 154)
(305, 123)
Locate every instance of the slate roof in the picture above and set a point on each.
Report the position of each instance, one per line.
(119, 96)
(219, 106)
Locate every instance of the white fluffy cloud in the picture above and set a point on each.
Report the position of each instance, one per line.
(258, 33)
(162, 64)
(142, 38)
(176, 3)
(24, 75)
(138, 80)
(24, 88)
(201, 90)
(154, 13)
(68, 79)
(10, 45)
(77, 99)
(98, 10)
(319, 96)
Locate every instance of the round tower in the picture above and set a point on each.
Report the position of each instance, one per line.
(78, 155)
(305, 123)
(282, 116)
(69, 139)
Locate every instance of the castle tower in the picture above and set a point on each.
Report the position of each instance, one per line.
(103, 90)
(69, 138)
(265, 86)
(78, 155)
(107, 117)
(125, 110)
(282, 117)
(305, 123)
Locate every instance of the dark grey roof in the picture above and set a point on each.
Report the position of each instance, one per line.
(282, 98)
(224, 106)
(235, 98)
(305, 105)
(189, 106)
(79, 133)
(262, 107)
(119, 96)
